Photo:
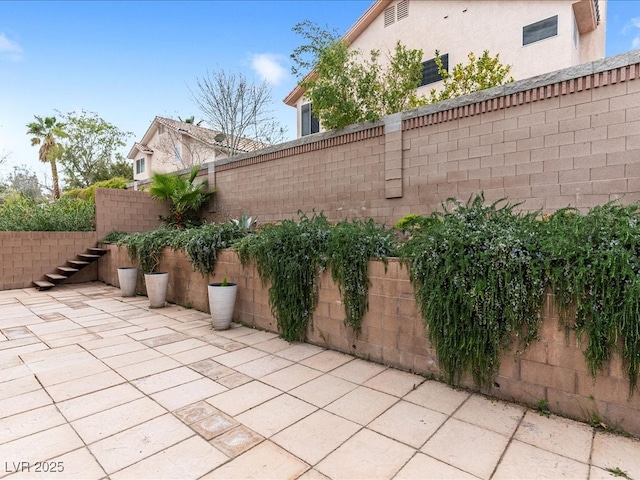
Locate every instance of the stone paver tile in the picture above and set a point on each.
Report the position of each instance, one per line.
(31, 348)
(394, 382)
(408, 423)
(423, 467)
(556, 434)
(236, 440)
(361, 405)
(358, 371)
(313, 474)
(522, 460)
(165, 339)
(98, 401)
(94, 345)
(315, 436)
(181, 346)
(212, 369)
(121, 330)
(238, 357)
(17, 332)
(197, 354)
(234, 380)
(19, 342)
(276, 414)
(70, 340)
(132, 358)
(496, 415)
(290, 377)
(437, 396)
(41, 446)
(272, 346)
(227, 344)
(84, 385)
(195, 412)
(162, 381)
(132, 445)
(258, 337)
(18, 386)
(611, 451)
(51, 327)
(70, 373)
(120, 349)
(243, 397)
(596, 473)
(453, 442)
(266, 457)
(79, 465)
(326, 360)
(156, 332)
(189, 459)
(144, 369)
(53, 353)
(234, 332)
(215, 425)
(263, 366)
(299, 351)
(323, 390)
(13, 369)
(26, 401)
(181, 395)
(366, 455)
(108, 422)
(27, 423)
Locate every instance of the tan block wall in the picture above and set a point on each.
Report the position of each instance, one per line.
(28, 256)
(393, 334)
(127, 211)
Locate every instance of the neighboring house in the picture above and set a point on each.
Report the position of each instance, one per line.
(534, 37)
(170, 145)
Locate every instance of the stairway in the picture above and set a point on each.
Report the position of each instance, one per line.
(72, 267)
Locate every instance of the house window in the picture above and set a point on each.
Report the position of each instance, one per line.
(575, 32)
(177, 151)
(540, 30)
(310, 123)
(140, 166)
(430, 72)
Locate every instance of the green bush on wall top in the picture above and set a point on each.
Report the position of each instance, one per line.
(21, 214)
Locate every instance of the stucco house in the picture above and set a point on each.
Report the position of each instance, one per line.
(170, 145)
(534, 37)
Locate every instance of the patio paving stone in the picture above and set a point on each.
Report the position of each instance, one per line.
(214, 425)
(244, 397)
(263, 366)
(437, 396)
(236, 440)
(182, 395)
(361, 405)
(323, 390)
(212, 369)
(164, 380)
(491, 414)
(424, 467)
(326, 360)
(98, 401)
(262, 420)
(613, 451)
(358, 371)
(290, 377)
(194, 412)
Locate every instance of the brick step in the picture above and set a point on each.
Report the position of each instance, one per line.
(68, 271)
(97, 251)
(88, 257)
(42, 285)
(55, 278)
(79, 264)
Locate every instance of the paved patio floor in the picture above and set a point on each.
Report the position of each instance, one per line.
(93, 385)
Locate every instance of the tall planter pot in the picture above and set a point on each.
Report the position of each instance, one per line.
(128, 278)
(157, 283)
(222, 299)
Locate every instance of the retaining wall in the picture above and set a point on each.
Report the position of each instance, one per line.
(552, 368)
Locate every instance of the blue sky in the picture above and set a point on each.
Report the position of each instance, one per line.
(129, 61)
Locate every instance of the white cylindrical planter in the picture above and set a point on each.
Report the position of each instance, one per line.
(221, 303)
(128, 278)
(157, 283)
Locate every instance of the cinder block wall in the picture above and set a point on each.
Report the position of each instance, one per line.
(127, 211)
(27, 256)
(566, 138)
(393, 334)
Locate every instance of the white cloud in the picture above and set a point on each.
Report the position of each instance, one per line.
(269, 67)
(636, 42)
(10, 49)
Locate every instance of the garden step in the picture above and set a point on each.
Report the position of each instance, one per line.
(79, 264)
(68, 271)
(97, 251)
(42, 285)
(88, 256)
(55, 278)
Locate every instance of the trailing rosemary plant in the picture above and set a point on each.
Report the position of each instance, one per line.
(351, 246)
(593, 264)
(147, 247)
(203, 244)
(478, 281)
(289, 256)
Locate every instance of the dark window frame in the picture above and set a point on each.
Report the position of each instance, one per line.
(540, 30)
(430, 70)
(140, 166)
(309, 123)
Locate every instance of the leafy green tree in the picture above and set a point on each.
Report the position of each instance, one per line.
(479, 74)
(185, 197)
(345, 87)
(23, 181)
(90, 151)
(46, 132)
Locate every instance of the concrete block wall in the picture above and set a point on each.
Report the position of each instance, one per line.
(393, 333)
(27, 256)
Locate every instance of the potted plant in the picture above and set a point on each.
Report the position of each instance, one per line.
(222, 298)
(127, 279)
(156, 283)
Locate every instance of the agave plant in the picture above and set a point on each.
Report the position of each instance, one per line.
(185, 196)
(245, 222)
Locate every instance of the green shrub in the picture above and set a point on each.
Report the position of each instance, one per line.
(20, 213)
(89, 193)
(147, 247)
(203, 244)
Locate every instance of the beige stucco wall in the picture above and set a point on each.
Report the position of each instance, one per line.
(459, 27)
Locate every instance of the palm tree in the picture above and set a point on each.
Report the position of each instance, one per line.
(45, 132)
(185, 197)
